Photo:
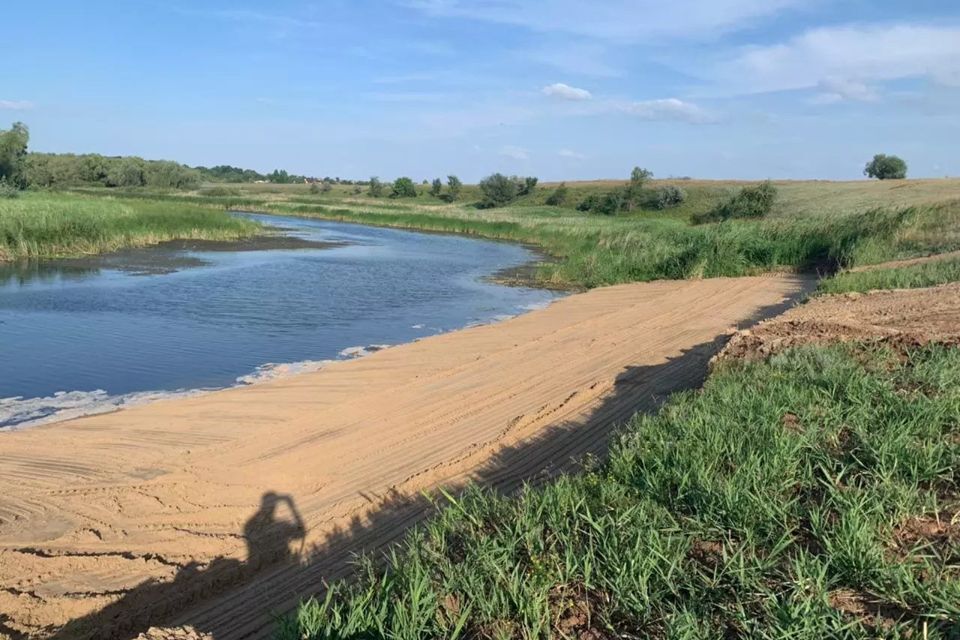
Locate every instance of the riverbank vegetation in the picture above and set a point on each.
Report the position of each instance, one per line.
(812, 495)
(48, 225)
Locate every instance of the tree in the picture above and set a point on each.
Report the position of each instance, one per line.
(559, 196)
(376, 187)
(884, 167)
(526, 186)
(638, 177)
(403, 187)
(326, 186)
(498, 190)
(436, 187)
(13, 154)
(128, 172)
(454, 186)
(280, 176)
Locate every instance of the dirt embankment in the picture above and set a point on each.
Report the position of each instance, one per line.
(904, 317)
(216, 511)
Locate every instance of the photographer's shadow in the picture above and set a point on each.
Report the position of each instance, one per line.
(269, 535)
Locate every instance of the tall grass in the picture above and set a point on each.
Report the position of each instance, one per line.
(926, 274)
(811, 496)
(45, 225)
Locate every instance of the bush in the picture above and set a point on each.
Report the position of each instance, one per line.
(526, 186)
(559, 196)
(609, 203)
(498, 190)
(751, 202)
(375, 189)
(326, 186)
(436, 187)
(670, 196)
(8, 189)
(220, 192)
(454, 186)
(403, 188)
(884, 167)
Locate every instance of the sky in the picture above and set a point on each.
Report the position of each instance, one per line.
(560, 89)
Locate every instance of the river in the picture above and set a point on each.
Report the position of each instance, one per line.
(89, 335)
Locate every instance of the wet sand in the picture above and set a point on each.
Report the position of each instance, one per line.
(217, 510)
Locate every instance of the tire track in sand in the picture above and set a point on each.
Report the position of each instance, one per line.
(116, 522)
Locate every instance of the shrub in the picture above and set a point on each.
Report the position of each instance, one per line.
(375, 189)
(436, 187)
(326, 186)
(220, 192)
(526, 186)
(498, 190)
(559, 196)
(314, 188)
(884, 167)
(751, 202)
(670, 196)
(403, 188)
(609, 203)
(454, 186)
(8, 189)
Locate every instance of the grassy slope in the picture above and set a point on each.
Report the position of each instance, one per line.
(784, 500)
(814, 224)
(53, 225)
(927, 274)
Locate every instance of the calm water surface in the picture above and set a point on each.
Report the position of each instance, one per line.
(82, 336)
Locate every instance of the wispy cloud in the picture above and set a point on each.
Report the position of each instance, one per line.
(16, 105)
(514, 153)
(666, 109)
(565, 92)
(834, 90)
(856, 54)
(615, 20)
(571, 154)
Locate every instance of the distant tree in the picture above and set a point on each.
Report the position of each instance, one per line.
(559, 196)
(170, 175)
(357, 190)
(639, 176)
(93, 169)
(127, 172)
(670, 196)
(280, 176)
(375, 189)
(314, 188)
(634, 193)
(498, 190)
(326, 186)
(526, 186)
(884, 167)
(13, 154)
(436, 187)
(454, 186)
(403, 187)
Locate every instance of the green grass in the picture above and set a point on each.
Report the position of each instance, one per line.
(48, 225)
(928, 274)
(814, 225)
(780, 501)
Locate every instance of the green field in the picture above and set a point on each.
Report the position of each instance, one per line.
(814, 225)
(794, 498)
(49, 225)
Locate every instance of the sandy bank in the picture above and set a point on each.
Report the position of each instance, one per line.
(182, 511)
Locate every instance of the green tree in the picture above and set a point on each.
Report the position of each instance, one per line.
(498, 190)
(639, 176)
(526, 186)
(436, 187)
(559, 196)
(13, 154)
(93, 169)
(454, 186)
(164, 174)
(403, 187)
(128, 172)
(376, 187)
(280, 176)
(884, 167)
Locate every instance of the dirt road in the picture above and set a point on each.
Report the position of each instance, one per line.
(215, 510)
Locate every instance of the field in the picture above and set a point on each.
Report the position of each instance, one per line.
(48, 225)
(813, 226)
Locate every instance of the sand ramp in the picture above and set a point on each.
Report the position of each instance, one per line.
(215, 510)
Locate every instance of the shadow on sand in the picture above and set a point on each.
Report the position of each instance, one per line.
(227, 599)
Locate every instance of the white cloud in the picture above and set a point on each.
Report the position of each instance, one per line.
(666, 109)
(571, 154)
(858, 55)
(834, 90)
(616, 20)
(514, 153)
(16, 105)
(565, 92)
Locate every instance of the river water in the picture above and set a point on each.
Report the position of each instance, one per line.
(83, 336)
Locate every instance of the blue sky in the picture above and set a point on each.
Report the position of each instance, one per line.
(562, 89)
